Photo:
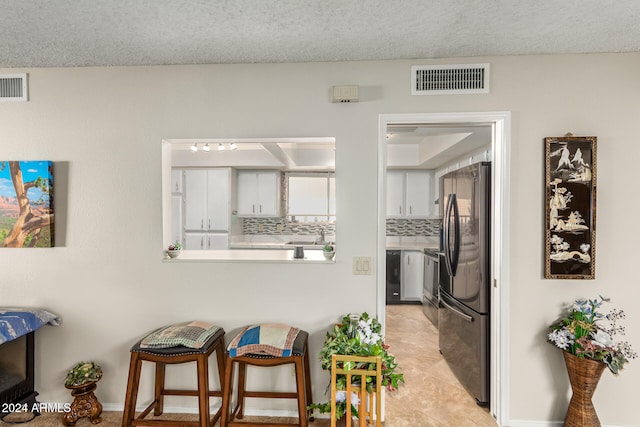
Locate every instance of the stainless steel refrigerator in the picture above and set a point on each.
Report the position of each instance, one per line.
(464, 279)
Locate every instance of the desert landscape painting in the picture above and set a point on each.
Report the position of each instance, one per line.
(26, 204)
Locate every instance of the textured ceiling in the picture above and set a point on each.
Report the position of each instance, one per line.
(69, 33)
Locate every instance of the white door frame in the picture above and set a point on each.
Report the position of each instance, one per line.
(501, 142)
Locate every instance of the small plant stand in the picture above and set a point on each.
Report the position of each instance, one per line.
(366, 399)
(85, 404)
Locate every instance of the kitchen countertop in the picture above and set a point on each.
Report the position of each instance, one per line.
(279, 242)
(410, 243)
(249, 255)
(272, 245)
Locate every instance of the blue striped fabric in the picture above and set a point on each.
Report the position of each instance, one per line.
(15, 322)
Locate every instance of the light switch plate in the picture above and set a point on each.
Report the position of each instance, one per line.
(362, 265)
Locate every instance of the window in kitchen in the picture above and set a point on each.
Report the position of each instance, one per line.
(311, 196)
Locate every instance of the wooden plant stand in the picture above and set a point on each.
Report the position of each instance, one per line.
(85, 404)
(366, 417)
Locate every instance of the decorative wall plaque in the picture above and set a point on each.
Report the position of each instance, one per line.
(570, 207)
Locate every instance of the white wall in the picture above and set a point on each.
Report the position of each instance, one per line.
(103, 127)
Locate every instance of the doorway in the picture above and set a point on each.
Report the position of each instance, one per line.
(500, 123)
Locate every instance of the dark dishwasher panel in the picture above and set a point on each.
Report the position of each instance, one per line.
(394, 264)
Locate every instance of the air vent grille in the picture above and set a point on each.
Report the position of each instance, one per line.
(13, 87)
(449, 79)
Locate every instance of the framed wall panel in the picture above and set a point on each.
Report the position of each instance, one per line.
(570, 195)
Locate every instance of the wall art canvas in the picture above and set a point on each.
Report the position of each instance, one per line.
(26, 204)
(570, 207)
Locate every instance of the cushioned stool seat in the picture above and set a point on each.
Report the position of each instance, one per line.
(166, 346)
(248, 349)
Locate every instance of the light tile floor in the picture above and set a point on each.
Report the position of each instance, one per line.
(431, 396)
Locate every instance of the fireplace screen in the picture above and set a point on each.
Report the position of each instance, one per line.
(17, 392)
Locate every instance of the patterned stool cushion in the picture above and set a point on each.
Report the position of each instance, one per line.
(268, 339)
(187, 334)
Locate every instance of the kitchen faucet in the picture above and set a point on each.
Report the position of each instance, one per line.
(321, 239)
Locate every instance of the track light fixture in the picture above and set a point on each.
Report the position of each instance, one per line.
(220, 147)
(233, 146)
(206, 147)
(194, 147)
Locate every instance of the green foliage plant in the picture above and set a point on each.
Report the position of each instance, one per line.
(83, 373)
(357, 336)
(175, 247)
(586, 332)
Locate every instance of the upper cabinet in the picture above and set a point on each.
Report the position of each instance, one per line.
(258, 193)
(410, 194)
(207, 199)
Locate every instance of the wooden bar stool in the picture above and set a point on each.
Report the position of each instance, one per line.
(179, 343)
(247, 348)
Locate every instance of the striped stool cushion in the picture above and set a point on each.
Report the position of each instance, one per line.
(267, 339)
(186, 334)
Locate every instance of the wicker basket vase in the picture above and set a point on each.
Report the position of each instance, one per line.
(584, 375)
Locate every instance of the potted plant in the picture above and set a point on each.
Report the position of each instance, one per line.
(82, 381)
(328, 251)
(586, 337)
(357, 335)
(174, 250)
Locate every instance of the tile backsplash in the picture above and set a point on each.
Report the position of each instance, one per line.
(413, 227)
(395, 227)
(277, 226)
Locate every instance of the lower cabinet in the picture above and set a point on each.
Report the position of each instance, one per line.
(405, 273)
(199, 241)
(412, 276)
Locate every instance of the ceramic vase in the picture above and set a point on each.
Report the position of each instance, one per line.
(173, 254)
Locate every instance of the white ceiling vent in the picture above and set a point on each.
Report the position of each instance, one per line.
(13, 87)
(449, 79)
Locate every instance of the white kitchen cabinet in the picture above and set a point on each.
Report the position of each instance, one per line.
(218, 199)
(258, 193)
(206, 203)
(195, 205)
(176, 180)
(418, 194)
(395, 194)
(410, 194)
(176, 218)
(176, 205)
(203, 241)
(412, 276)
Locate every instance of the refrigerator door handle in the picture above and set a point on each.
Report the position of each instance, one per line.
(456, 312)
(445, 237)
(452, 258)
(456, 234)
